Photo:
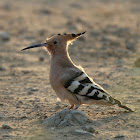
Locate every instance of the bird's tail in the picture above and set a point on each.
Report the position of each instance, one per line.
(119, 104)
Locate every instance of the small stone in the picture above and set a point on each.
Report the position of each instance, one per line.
(2, 68)
(30, 93)
(23, 117)
(7, 136)
(1, 104)
(41, 59)
(138, 100)
(4, 36)
(42, 32)
(33, 89)
(37, 106)
(46, 11)
(119, 136)
(5, 126)
(25, 71)
(90, 129)
(131, 46)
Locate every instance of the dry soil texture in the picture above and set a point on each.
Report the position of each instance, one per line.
(107, 52)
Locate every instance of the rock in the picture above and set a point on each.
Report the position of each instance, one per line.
(66, 118)
(45, 11)
(23, 117)
(25, 71)
(119, 136)
(33, 89)
(41, 59)
(30, 93)
(5, 126)
(131, 46)
(4, 36)
(2, 68)
(90, 129)
(137, 62)
(7, 136)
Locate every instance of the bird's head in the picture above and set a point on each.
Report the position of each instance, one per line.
(57, 43)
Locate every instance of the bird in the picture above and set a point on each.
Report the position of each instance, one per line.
(69, 81)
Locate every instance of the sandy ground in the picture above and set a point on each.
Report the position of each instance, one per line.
(109, 52)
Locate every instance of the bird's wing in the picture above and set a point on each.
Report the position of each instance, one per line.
(83, 85)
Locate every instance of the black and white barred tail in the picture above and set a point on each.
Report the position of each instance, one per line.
(82, 85)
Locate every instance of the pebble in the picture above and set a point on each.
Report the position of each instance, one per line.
(33, 89)
(23, 117)
(5, 126)
(119, 136)
(25, 71)
(90, 129)
(4, 36)
(131, 46)
(7, 136)
(1, 104)
(41, 59)
(30, 93)
(2, 68)
(45, 11)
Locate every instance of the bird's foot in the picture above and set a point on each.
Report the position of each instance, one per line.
(71, 107)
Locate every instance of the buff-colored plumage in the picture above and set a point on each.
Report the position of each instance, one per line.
(69, 81)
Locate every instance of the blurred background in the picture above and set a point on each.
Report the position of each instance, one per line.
(109, 52)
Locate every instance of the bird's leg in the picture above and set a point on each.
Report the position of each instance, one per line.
(71, 107)
(77, 106)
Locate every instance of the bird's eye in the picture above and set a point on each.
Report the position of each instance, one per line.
(55, 42)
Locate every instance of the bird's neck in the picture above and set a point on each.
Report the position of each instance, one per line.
(61, 59)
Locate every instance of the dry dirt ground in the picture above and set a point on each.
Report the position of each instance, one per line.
(109, 52)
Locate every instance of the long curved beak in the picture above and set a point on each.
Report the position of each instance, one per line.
(35, 46)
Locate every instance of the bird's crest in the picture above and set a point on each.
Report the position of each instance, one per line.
(69, 38)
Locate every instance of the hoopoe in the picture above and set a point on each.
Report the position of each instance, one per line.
(70, 82)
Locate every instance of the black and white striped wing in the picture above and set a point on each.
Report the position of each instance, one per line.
(82, 85)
